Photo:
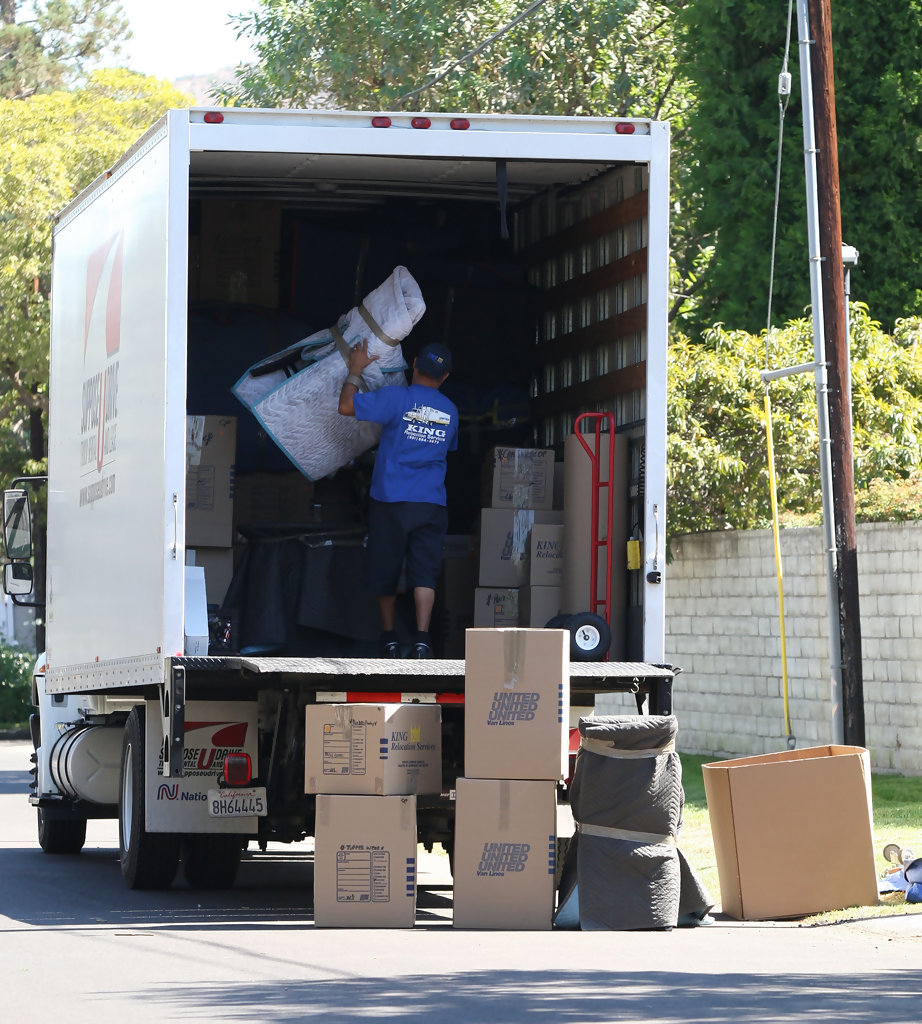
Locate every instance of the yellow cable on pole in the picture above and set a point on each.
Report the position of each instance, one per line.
(777, 540)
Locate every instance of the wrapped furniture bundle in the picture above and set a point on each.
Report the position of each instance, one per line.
(623, 869)
(295, 393)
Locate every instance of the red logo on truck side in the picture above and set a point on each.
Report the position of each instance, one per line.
(109, 254)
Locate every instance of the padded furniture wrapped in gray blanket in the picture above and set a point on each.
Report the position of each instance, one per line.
(294, 394)
(623, 869)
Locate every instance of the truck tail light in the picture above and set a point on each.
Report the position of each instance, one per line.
(213, 117)
(624, 128)
(238, 769)
(421, 122)
(460, 124)
(380, 122)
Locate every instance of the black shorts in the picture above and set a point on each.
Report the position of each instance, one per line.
(414, 530)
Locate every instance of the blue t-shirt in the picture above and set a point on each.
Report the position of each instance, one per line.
(419, 428)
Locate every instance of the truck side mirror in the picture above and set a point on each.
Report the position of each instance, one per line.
(17, 525)
(17, 578)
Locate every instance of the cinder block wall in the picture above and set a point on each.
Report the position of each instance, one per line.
(723, 629)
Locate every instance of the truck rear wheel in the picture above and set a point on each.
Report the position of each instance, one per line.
(211, 861)
(60, 835)
(149, 859)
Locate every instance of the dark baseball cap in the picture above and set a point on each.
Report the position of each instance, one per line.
(434, 361)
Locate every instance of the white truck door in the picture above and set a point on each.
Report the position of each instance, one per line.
(117, 420)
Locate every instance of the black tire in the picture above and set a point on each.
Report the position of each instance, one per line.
(61, 835)
(590, 637)
(149, 859)
(211, 861)
(558, 622)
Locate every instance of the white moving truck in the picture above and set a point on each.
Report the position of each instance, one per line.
(541, 247)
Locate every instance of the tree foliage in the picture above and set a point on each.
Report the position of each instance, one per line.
(717, 448)
(48, 44)
(51, 146)
(732, 50)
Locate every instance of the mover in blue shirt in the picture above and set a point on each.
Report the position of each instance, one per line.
(407, 516)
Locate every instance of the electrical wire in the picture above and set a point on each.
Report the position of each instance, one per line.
(473, 53)
(784, 92)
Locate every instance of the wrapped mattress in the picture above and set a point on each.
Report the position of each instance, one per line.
(623, 869)
(295, 393)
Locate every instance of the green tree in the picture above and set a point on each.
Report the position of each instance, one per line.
(732, 50)
(717, 454)
(47, 44)
(51, 146)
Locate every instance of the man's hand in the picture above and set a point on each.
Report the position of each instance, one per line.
(359, 358)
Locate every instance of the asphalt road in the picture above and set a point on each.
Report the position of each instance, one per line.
(74, 942)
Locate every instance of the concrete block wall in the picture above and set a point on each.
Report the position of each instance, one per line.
(723, 630)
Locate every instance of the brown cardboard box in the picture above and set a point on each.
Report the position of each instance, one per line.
(520, 478)
(239, 248)
(504, 544)
(516, 703)
(273, 498)
(365, 862)
(219, 570)
(545, 555)
(578, 534)
(495, 607)
(211, 443)
(505, 846)
(373, 749)
(538, 605)
(793, 832)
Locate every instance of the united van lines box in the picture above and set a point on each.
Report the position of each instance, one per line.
(516, 703)
(538, 605)
(545, 555)
(496, 607)
(365, 862)
(373, 749)
(504, 544)
(505, 848)
(521, 478)
(767, 810)
(211, 443)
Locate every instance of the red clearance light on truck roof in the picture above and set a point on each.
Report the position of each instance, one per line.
(420, 122)
(238, 769)
(214, 117)
(623, 128)
(460, 124)
(380, 122)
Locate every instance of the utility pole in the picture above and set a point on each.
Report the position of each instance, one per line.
(837, 358)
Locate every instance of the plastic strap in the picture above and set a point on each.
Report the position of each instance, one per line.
(343, 349)
(376, 328)
(646, 838)
(602, 748)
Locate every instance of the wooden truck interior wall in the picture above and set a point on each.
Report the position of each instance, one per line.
(543, 325)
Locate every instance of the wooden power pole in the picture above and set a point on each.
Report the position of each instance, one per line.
(837, 357)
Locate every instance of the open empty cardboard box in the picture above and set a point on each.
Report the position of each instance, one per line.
(793, 832)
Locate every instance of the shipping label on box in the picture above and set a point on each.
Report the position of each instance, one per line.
(505, 853)
(516, 703)
(766, 810)
(211, 443)
(504, 544)
(365, 861)
(545, 555)
(538, 605)
(522, 478)
(496, 607)
(374, 749)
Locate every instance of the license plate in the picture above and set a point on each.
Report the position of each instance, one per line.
(237, 803)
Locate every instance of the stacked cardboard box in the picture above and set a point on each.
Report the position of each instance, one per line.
(516, 705)
(367, 763)
(519, 489)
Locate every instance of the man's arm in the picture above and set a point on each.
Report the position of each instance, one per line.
(358, 360)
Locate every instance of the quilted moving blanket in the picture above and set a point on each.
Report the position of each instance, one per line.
(295, 393)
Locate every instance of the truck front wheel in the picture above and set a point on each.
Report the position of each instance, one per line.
(60, 835)
(149, 859)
